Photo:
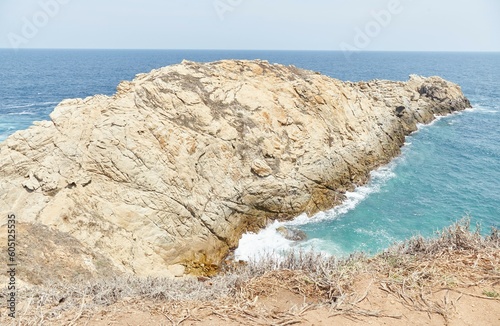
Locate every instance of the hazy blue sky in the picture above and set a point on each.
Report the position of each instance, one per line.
(422, 25)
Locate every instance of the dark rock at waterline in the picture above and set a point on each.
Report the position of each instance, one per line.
(291, 234)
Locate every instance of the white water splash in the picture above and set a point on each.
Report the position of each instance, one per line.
(268, 241)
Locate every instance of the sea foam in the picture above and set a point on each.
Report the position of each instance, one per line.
(268, 242)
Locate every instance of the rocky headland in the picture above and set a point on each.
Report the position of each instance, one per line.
(164, 177)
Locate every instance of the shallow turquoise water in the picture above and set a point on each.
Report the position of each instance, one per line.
(436, 181)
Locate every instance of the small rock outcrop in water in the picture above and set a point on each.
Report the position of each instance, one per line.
(181, 161)
(291, 234)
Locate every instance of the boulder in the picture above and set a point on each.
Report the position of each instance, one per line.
(291, 234)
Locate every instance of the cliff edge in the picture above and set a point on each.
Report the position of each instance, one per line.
(170, 171)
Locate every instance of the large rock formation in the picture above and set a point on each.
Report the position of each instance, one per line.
(181, 161)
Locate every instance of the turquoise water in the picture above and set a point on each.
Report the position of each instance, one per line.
(447, 170)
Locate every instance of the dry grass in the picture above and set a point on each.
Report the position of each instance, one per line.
(411, 272)
(458, 258)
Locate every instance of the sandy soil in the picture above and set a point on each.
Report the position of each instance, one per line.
(371, 304)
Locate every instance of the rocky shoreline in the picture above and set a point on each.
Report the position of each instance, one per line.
(166, 175)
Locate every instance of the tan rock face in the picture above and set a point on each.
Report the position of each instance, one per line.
(181, 161)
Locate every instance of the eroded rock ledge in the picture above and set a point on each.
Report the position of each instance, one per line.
(181, 161)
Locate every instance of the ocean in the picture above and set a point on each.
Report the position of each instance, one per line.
(447, 170)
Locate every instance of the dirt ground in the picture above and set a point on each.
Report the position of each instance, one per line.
(371, 303)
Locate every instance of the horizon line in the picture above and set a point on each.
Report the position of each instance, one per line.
(257, 50)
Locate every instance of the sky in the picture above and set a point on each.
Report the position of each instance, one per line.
(366, 25)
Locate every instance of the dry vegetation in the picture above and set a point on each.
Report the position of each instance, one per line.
(413, 274)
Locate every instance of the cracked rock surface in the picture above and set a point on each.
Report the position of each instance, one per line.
(174, 167)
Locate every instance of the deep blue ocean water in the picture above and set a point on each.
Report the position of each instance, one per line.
(447, 170)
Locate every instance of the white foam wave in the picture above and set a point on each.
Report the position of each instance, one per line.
(22, 113)
(13, 107)
(268, 242)
(255, 246)
(437, 118)
(482, 109)
(352, 199)
(489, 108)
